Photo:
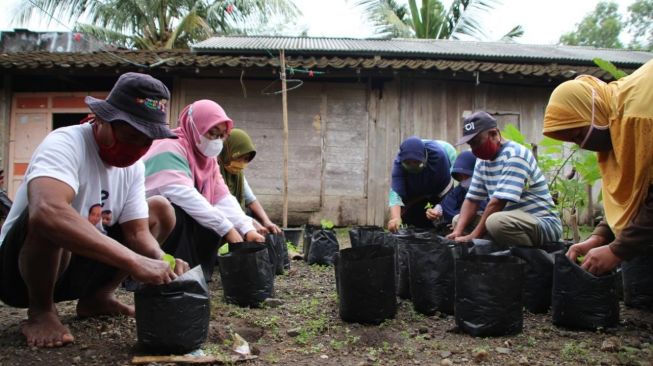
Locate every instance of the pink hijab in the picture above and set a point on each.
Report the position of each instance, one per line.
(195, 120)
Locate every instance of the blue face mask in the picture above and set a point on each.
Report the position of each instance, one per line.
(466, 182)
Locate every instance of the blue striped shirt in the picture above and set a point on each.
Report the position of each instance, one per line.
(514, 176)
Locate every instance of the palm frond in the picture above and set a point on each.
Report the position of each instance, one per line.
(463, 15)
(388, 18)
(516, 32)
(105, 35)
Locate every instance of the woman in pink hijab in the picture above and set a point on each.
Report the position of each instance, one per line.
(186, 172)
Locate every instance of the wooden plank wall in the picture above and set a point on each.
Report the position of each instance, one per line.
(344, 136)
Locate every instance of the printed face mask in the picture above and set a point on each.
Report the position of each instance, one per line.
(119, 154)
(210, 148)
(598, 137)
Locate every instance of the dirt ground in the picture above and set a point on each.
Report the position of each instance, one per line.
(305, 329)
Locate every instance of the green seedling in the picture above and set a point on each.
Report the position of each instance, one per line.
(291, 246)
(223, 249)
(580, 259)
(428, 205)
(171, 261)
(326, 224)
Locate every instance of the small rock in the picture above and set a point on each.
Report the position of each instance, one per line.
(416, 362)
(294, 332)
(324, 357)
(371, 359)
(502, 350)
(83, 346)
(423, 330)
(610, 345)
(427, 336)
(480, 355)
(446, 362)
(362, 363)
(273, 302)
(77, 359)
(445, 354)
(523, 360)
(463, 360)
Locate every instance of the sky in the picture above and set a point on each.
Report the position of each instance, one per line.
(543, 21)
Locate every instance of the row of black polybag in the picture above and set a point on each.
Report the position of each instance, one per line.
(484, 286)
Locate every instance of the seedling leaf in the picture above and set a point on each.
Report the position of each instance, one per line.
(171, 260)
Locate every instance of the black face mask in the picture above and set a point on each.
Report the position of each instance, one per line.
(597, 139)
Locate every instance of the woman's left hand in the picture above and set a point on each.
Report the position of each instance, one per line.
(600, 260)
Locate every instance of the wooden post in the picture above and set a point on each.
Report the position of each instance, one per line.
(284, 102)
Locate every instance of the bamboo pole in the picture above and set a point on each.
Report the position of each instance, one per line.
(284, 102)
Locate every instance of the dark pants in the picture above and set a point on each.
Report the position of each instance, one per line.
(193, 243)
(81, 279)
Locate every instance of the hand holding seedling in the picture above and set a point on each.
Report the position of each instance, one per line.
(178, 266)
(434, 213)
(152, 271)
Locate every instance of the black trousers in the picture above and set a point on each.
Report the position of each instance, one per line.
(193, 243)
(81, 279)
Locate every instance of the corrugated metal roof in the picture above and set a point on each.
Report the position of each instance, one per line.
(410, 48)
(183, 59)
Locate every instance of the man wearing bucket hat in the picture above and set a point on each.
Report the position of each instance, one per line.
(520, 210)
(49, 252)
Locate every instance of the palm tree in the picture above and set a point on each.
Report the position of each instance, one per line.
(431, 20)
(160, 24)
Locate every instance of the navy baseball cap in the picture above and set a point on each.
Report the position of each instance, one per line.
(474, 124)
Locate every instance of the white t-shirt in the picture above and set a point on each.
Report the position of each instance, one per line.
(70, 154)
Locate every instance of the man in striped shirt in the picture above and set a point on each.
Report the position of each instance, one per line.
(520, 210)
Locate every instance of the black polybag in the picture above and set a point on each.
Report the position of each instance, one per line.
(173, 318)
(293, 235)
(367, 235)
(581, 300)
(400, 240)
(485, 247)
(638, 282)
(489, 295)
(247, 274)
(279, 252)
(538, 278)
(365, 281)
(431, 275)
(308, 235)
(324, 245)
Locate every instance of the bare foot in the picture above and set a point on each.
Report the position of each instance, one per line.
(102, 304)
(44, 329)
